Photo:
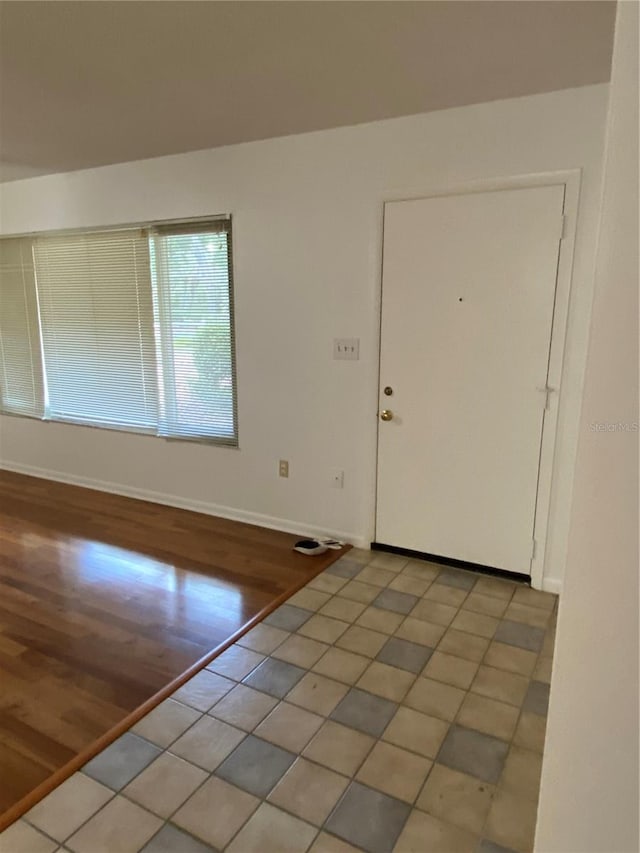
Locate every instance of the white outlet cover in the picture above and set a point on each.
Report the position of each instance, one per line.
(337, 478)
(346, 349)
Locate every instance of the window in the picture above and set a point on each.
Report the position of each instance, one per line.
(128, 328)
(192, 307)
(96, 317)
(21, 382)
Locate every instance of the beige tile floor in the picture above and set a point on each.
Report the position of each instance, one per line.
(390, 705)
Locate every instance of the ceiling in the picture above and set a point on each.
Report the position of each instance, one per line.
(90, 83)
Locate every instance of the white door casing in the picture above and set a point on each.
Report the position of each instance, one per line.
(469, 283)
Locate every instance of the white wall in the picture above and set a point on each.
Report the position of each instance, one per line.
(307, 245)
(589, 795)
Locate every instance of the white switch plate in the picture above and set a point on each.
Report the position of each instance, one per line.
(347, 349)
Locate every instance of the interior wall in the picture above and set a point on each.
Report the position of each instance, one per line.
(589, 796)
(307, 219)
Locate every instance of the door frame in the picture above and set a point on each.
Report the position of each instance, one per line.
(571, 180)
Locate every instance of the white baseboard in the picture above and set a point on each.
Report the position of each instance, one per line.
(273, 523)
(552, 585)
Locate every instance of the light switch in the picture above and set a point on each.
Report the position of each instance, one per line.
(347, 349)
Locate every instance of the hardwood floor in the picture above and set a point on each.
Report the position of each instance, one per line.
(104, 601)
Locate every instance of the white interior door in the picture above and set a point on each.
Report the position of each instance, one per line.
(468, 290)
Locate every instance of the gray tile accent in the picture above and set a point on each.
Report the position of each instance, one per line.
(537, 698)
(365, 712)
(117, 765)
(170, 839)
(518, 634)
(275, 677)
(369, 819)
(255, 766)
(457, 578)
(288, 617)
(399, 602)
(475, 753)
(344, 568)
(486, 846)
(406, 655)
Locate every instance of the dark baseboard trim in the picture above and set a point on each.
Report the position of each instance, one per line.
(450, 561)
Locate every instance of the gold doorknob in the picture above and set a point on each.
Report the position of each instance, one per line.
(386, 415)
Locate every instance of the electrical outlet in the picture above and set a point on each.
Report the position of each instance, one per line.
(346, 349)
(283, 468)
(337, 478)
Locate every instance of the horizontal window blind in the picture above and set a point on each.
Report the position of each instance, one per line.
(96, 315)
(130, 328)
(191, 271)
(21, 379)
